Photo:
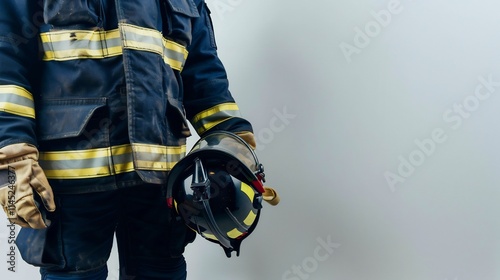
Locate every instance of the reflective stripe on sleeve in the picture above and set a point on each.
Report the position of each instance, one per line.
(215, 115)
(17, 100)
(100, 162)
(65, 45)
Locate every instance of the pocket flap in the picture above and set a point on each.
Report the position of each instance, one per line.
(65, 118)
(177, 117)
(186, 7)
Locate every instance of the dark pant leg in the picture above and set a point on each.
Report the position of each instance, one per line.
(82, 230)
(97, 274)
(144, 237)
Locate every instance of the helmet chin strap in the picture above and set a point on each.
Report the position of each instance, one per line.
(200, 184)
(214, 228)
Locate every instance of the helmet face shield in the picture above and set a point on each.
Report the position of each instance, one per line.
(214, 189)
(233, 146)
(240, 159)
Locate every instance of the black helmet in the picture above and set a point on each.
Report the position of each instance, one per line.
(217, 189)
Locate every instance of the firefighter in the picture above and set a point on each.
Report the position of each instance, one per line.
(94, 102)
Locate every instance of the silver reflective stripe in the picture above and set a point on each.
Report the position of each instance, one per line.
(146, 39)
(80, 44)
(16, 100)
(152, 157)
(138, 38)
(93, 163)
(97, 44)
(213, 116)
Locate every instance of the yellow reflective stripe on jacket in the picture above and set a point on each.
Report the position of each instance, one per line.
(79, 44)
(146, 39)
(65, 45)
(100, 162)
(17, 100)
(159, 158)
(211, 117)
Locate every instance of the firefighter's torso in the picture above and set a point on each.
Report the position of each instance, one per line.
(110, 97)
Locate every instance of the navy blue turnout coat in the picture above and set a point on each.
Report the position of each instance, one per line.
(104, 88)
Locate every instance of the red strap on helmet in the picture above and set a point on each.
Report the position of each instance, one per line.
(258, 186)
(170, 202)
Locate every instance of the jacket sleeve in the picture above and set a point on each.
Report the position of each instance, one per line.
(19, 62)
(208, 102)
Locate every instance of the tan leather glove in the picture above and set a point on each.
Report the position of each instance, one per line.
(19, 164)
(248, 137)
(271, 196)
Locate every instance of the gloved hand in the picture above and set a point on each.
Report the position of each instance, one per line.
(248, 137)
(271, 196)
(21, 174)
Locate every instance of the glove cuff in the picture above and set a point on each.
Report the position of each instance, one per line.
(248, 137)
(17, 152)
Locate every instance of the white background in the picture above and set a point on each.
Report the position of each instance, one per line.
(331, 124)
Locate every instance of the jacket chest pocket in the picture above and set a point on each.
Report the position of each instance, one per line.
(177, 16)
(63, 13)
(81, 123)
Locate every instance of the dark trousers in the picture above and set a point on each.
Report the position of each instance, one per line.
(78, 242)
